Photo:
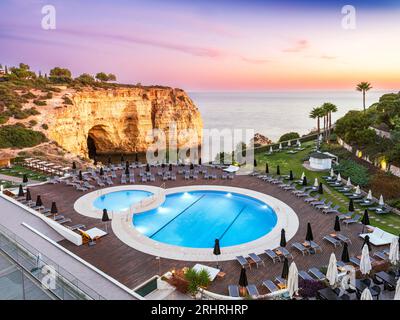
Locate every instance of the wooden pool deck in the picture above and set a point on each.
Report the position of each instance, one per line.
(132, 267)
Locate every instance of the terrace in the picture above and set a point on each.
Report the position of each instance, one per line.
(133, 267)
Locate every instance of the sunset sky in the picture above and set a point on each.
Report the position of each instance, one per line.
(210, 45)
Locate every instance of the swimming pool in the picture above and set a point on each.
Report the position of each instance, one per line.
(195, 219)
(120, 200)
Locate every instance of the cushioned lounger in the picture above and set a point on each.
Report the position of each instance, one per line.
(317, 273)
(270, 285)
(233, 290)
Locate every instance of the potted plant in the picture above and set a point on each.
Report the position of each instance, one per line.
(197, 280)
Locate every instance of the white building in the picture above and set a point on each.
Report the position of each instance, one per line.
(320, 161)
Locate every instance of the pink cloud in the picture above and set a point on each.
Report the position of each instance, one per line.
(300, 45)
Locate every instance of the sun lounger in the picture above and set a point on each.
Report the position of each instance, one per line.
(270, 285)
(256, 259)
(271, 254)
(280, 280)
(285, 252)
(332, 240)
(301, 248)
(252, 290)
(65, 220)
(304, 275)
(243, 261)
(343, 238)
(315, 246)
(317, 203)
(324, 206)
(317, 274)
(58, 218)
(379, 237)
(335, 209)
(233, 290)
(311, 199)
(381, 255)
(352, 220)
(76, 227)
(355, 261)
(344, 216)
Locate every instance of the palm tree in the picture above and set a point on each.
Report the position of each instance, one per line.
(329, 107)
(316, 114)
(364, 87)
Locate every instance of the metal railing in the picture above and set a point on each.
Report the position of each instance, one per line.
(63, 285)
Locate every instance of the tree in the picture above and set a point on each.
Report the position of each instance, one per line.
(60, 75)
(101, 76)
(112, 77)
(289, 136)
(317, 113)
(22, 72)
(364, 87)
(85, 79)
(330, 108)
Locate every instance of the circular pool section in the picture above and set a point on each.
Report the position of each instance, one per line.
(195, 219)
(120, 200)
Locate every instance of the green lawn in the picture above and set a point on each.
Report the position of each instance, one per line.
(19, 171)
(294, 162)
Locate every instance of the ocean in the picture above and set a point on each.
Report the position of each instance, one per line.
(274, 113)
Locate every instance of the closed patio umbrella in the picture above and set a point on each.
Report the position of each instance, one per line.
(266, 168)
(369, 196)
(136, 157)
(309, 234)
(39, 202)
(280, 146)
(105, 218)
(358, 190)
(348, 184)
(101, 171)
(366, 295)
(316, 183)
(351, 205)
(365, 220)
(80, 176)
(278, 170)
(289, 144)
(345, 253)
(337, 224)
(20, 191)
(73, 165)
(381, 202)
(332, 174)
(25, 178)
(298, 143)
(365, 261)
(243, 280)
(332, 271)
(291, 175)
(217, 250)
(283, 238)
(95, 161)
(397, 293)
(271, 150)
(394, 251)
(109, 161)
(147, 167)
(302, 175)
(255, 162)
(170, 167)
(339, 177)
(293, 280)
(127, 164)
(200, 161)
(285, 269)
(304, 181)
(320, 188)
(367, 242)
(53, 209)
(28, 195)
(122, 158)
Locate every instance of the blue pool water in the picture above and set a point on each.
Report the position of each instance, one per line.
(195, 219)
(120, 200)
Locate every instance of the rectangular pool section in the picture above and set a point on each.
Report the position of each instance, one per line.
(195, 219)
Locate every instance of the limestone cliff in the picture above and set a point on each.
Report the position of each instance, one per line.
(118, 120)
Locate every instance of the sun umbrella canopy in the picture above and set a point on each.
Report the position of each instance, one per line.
(105, 217)
(337, 224)
(109, 160)
(397, 293)
(147, 167)
(243, 278)
(351, 205)
(170, 167)
(348, 182)
(339, 177)
(366, 295)
(280, 146)
(217, 249)
(365, 218)
(358, 190)
(289, 143)
(320, 188)
(283, 238)
(304, 181)
(332, 173)
(136, 158)
(122, 158)
(28, 195)
(316, 183)
(20, 191)
(291, 175)
(200, 161)
(365, 261)
(285, 269)
(266, 168)
(302, 175)
(80, 176)
(25, 178)
(381, 202)
(332, 272)
(309, 234)
(278, 170)
(101, 171)
(53, 209)
(345, 253)
(271, 150)
(369, 196)
(367, 242)
(74, 165)
(127, 171)
(298, 142)
(394, 251)
(39, 201)
(293, 280)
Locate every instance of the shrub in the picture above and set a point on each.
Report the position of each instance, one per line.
(19, 137)
(32, 123)
(40, 102)
(358, 173)
(3, 119)
(29, 95)
(67, 100)
(289, 136)
(45, 126)
(386, 184)
(309, 288)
